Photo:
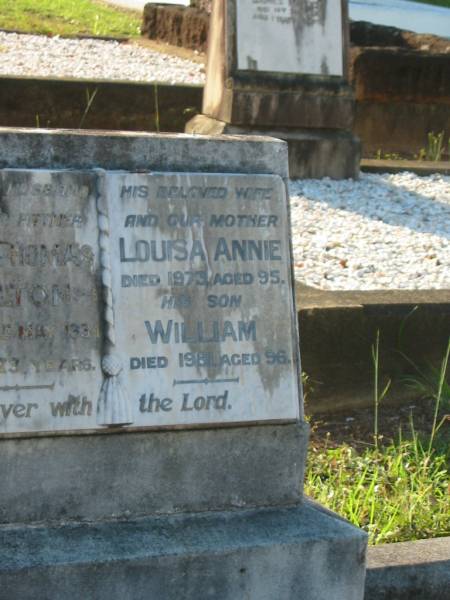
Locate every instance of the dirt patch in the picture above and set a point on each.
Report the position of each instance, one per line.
(356, 427)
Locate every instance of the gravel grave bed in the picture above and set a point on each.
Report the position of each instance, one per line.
(41, 56)
(381, 232)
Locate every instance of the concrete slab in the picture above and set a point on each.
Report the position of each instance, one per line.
(300, 552)
(90, 477)
(339, 328)
(313, 153)
(419, 570)
(309, 298)
(131, 151)
(422, 168)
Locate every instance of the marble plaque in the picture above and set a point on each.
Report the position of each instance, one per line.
(203, 297)
(50, 330)
(290, 36)
(144, 300)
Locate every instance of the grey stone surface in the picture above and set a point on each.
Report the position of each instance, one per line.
(321, 153)
(45, 149)
(119, 475)
(409, 570)
(313, 153)
(270, 554)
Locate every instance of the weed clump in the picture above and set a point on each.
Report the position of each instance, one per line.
(397, 491)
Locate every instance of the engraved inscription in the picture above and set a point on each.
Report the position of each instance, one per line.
(203, 278)
(49, 301)
(311, 31)
(144, 300)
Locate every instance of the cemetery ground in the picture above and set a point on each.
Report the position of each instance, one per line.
(395, 485)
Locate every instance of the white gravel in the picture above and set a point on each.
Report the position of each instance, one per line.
(42, 56)
(384, 231)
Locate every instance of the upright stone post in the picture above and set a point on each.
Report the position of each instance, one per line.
(152, 439)
(279, 68)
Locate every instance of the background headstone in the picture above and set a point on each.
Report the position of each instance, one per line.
(280, 68)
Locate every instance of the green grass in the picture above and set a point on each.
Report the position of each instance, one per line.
(445, 3)
(396, 493)
(68, 17)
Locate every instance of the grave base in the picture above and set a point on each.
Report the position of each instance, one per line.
(313, 153)
(116, 475)
(300, 552)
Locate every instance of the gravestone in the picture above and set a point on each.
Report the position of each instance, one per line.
(195, 300)
(151, 425)
(279, 68)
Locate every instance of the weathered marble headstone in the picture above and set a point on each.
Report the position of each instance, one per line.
(279, 67)
(197, 315)
(145, 284)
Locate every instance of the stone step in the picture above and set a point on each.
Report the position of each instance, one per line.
(299, 552)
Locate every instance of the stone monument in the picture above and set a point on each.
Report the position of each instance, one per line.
(151, 425)
(279, 68)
